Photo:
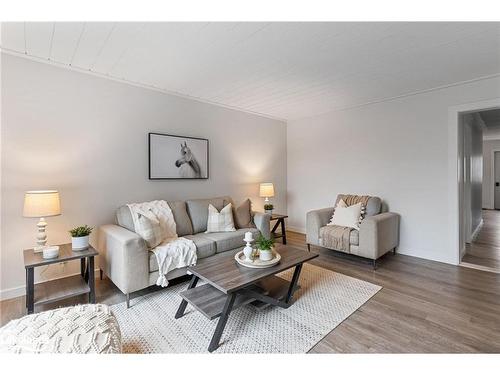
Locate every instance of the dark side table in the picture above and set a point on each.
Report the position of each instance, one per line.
(55, 290)
(280, 220)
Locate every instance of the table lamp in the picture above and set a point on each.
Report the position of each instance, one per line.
(266, 190)
(41, 204)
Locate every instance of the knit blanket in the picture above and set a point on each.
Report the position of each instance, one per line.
(337, 237)
(172, 252)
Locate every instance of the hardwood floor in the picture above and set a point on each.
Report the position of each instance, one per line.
(424, 306)
(484, 251)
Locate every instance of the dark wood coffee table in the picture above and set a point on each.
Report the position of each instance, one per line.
(230, 285)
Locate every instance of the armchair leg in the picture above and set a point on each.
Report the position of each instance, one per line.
(309, 247)
(127, 296)
(394, 251)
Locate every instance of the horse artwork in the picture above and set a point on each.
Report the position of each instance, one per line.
(177, 157)
(187, 164)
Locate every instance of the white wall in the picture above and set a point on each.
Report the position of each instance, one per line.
(489, 146)
(473, 174)
(87, 137)
(396, 149)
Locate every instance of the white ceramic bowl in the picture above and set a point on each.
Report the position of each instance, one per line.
(50, 252)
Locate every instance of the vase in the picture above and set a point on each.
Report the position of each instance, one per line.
(80, 243)
(265, 255)
(270, 212)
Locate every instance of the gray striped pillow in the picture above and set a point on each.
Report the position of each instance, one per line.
(220, 221)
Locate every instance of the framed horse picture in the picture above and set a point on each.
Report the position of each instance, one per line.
(177, 157)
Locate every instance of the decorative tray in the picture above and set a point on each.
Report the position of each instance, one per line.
(257, 263)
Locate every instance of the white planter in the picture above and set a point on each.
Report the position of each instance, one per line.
(265, 255)
(80, 243)
(269, 212)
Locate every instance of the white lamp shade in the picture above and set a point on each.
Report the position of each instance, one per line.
(41, 203)
(266, 189)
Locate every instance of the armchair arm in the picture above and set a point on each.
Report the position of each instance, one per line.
(263, 223)
(379, 234)
(123, 257)
(314, 220)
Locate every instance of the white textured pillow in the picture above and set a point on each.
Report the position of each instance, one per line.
(346, 216)
(220, 221)
(148, 227)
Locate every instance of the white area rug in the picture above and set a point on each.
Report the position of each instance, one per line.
(325, 299)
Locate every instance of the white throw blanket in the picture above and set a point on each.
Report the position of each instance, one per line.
(173, 252)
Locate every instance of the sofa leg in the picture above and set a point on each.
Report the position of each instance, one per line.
(374, 264)
(394, 251)
(100, 273)
(127, 296)
(309, 247)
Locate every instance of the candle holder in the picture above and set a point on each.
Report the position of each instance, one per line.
(248, 250)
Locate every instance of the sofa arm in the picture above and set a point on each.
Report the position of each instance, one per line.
(263, 223)
(315, 220)
(378, 234)
(123, 257)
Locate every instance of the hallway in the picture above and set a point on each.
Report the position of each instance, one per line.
(484, 252)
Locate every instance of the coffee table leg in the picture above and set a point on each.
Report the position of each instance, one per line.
(214, 343)
(183, 305)
(293, 283)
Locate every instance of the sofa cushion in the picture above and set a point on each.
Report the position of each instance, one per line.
(181, 217)
(205, 246)
(225, 241)
(243, 215)
(198, 212)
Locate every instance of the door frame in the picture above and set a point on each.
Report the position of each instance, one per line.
(455, 193)
(492, 190)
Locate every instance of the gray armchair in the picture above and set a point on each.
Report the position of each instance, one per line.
(378, 232)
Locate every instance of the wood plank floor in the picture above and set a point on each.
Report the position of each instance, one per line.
(484, 251)
(424, 306)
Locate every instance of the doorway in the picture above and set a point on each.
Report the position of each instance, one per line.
(481, 167)
(496, 173)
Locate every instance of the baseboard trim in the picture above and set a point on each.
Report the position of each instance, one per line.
(297, 229)
(19, 291)
(478, 267)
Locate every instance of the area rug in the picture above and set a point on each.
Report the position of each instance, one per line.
(325, 299)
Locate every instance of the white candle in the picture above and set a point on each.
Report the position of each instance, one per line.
(248, 237)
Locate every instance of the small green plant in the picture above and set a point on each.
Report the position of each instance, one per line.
(81, 231)
(268, 206)
(264, 243)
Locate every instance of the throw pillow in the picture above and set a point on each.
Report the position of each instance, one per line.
(149, 228)
(346, 216)
(243, 215)
(220, 221)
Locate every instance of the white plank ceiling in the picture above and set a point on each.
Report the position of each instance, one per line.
(282, 70)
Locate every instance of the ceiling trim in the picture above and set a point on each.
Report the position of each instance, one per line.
(133, 83)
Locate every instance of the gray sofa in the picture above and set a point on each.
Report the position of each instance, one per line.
(378, 232)
(126, 260)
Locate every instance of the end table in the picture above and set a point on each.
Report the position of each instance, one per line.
(280, 220)
(55, 290)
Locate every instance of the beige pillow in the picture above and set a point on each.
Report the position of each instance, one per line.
(148, 227)
(346, 216)
(220, 221)
(243, 215)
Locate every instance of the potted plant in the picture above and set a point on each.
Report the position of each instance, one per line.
(268, 207)
(80, 237)
(265, 247)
